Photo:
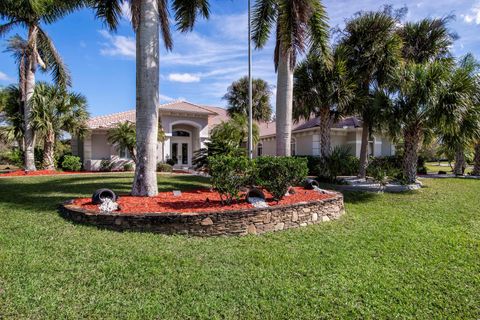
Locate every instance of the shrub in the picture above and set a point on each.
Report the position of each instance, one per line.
(128, 167)
(340, 162)
(312, 164)
(71, 163)
(106, 165)
(390, 167)
(277, 174)
(229, 174)
(171, 161)
(164, 167)
(14, 157)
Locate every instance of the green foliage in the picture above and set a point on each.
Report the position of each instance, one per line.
(171, 161)
(106, 165)
(237, 99)
(229, 174)
(14, 157)
(123, 135)
(128, 167)
(277, 174)
(71, 163)
(312, 164)
(164, 167)
(340, 162)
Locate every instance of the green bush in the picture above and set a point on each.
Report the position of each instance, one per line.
(229, 174)
(14, 157)
(340, 163)
(106, 165)
(277, 174)
(71, 163)
(164, 167)
(171, 161)
(128, 167)
(312, 164)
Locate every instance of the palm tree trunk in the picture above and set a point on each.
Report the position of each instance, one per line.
(284, 104)
(147, 74)
(326, 121)
(411, 139)
(460, 164)
(29, 135)
(362, 170)
(476, 160)
(49, 151)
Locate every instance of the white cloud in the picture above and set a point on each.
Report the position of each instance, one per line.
(473, 16)
(117, 45)
(5, 77)
(183, 77)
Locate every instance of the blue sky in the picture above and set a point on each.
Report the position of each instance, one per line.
(204, 62)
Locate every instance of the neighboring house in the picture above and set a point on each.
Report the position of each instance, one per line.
(306, 138)
(187, 126)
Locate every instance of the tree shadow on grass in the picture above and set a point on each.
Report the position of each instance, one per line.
(46, 193)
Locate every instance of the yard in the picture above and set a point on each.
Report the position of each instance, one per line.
(414, 255)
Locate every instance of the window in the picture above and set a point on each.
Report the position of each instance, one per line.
(180, 133)
(293, 147)
(260, 149)
(123, 153)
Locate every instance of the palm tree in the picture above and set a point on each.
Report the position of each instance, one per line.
(322, 88)
(149, 18)
(39, 50)
(420, 82)
(461, 96)
(11, 109)
(237, 99)
(123, 136)
(55, 110)
(297, 24)
(372, 49)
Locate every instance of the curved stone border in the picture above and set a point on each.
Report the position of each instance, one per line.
(238, 222)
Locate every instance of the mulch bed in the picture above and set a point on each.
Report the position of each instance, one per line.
(203, 200)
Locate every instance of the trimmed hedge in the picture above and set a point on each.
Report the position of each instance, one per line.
(71, 163)
(164, 167)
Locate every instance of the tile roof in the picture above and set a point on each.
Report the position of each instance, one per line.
(269, 128)
(107, 121)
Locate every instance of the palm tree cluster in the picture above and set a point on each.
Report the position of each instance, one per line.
(400, 78)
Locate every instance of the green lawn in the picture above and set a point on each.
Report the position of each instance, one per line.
(413, 255)
(433, 167)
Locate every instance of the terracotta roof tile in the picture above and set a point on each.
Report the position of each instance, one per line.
(107, 121)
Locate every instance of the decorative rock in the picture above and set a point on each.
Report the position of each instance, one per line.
(306, 210)
(294, 216)
(251, 229)
(279, 226)
(325, 219)
(206, 222)
(303, 224)
(314, 217)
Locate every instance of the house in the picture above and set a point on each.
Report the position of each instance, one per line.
(187, 126)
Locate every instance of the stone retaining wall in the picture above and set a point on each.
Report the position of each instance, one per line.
(240, 222)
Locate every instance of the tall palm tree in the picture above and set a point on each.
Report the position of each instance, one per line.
(373, 51)
(476, 159)
(123, 136)
(39, 51)
(55, 110)
(297, 24)
(322, 88)
(149, 18)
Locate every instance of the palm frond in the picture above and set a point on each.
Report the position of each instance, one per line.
(108, 11)
(53, 60)
(264, 16)
(186, 12)
(165, 24)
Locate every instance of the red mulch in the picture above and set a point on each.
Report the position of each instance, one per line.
(19, 173)
(195, 201)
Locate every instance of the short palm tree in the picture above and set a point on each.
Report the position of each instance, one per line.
(237, 99)
(123, 136)
(149, 18)
(54, 110)
(11, 109)
(39, 50)
(297, 25)
(322, 88)
(373, 52)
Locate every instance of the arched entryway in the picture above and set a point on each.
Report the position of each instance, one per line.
(184, 141)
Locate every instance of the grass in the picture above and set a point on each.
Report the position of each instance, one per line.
(414, 255)
(433, 167)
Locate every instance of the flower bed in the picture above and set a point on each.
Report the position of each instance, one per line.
(200, 213)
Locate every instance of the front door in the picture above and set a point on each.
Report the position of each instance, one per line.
(181, 153)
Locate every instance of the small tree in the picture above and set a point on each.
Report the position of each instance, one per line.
(124, 137)
(237, 99)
